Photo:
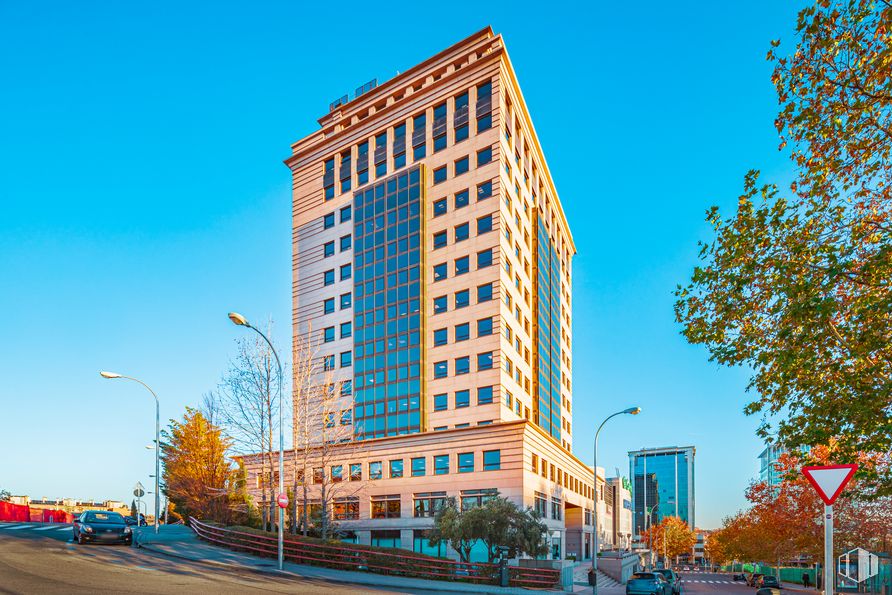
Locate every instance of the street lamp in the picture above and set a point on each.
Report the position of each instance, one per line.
(114, 375)
(240, 320)
(629, 411)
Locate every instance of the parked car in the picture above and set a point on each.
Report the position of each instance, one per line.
(686, 568)
(739, 577)
(769, 581)
(672, 578)
(753, 579)
(102, 526)
(648, 583)
(769, 591)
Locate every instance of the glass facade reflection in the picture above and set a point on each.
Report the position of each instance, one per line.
(387, 283)
(548, 314)
(663, 485)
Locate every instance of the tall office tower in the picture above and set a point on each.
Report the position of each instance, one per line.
(662, 485)
(432, 278)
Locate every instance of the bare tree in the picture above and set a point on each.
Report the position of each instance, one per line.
(322, 434)
(247, 404)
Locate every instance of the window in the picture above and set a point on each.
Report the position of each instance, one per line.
(465, 462)
(439, 143)
(484, 326)
(462, 232)
(440, 207)
(346, 359)
(328, 221)
(484, 361)
(462, 265)
(345, 508)
(328, 178)
(346, 300)
(375, 470)
(428, 504)
(328, 362)
(484, 258)
(441, 337)
(346, 271)
(346, 242)
(484, 397)
(474, 498)
(328, 249)
(484, 122)
(484, 156)
(419, 135)
(540, 504)
(337, 473)
(396, 469)
(440, 127)
(440, 175)
(557, 506)
(462, 298)
(461, 133)
(355, 471)
(328, 277)
(328, 306)
(440, 239)
(418, 466)
(484, 190)
(462, 365)
(346, 329)
(441, 464)
(484, 224)
(462, 332)
(492, 460)
(461, 199)
(318, 473)
(441, 402)
(462, 398)
(441, 369)
(346, 214)
(381, 155)
(440, 304)
(386, 507)
(440, 271)
(328, 334)
(461, 166)
(484, 293)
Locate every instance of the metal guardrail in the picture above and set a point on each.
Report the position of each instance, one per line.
(361, 558)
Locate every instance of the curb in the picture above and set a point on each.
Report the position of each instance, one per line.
(345, 581)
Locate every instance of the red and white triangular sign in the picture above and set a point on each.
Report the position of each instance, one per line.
(829, 480)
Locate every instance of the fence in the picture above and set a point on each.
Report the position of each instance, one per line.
(881, 583)
(377, 560)
(24, 513)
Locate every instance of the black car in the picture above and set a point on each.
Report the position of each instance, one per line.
(769, 581)
(672, 578)
(102, 526)
(648, 583)
(739, 577)
(769, 591)
(131, 520)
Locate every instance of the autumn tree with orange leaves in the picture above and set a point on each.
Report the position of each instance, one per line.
(670, 537)
(797, 285)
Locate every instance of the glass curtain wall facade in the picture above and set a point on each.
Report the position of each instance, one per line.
(387, 286)
(548, 311)
(663, 482)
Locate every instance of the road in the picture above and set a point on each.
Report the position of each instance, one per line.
(40, 558)
(694, 583)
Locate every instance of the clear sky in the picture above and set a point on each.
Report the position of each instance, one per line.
(143, 197)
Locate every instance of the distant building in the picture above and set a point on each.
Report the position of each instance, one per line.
(619, 491)
(768, 464)
(73, 506)
(662, 485)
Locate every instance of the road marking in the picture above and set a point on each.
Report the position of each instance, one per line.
(49, 528)
(19, 527)
(63, 528)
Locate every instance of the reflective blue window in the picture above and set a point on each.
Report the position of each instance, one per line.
(484, 395)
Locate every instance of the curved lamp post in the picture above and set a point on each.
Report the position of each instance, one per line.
(114, 375)
(240, 320)
(596, 547)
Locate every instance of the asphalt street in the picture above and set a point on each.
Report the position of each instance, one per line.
(704, 582)
(40, 558)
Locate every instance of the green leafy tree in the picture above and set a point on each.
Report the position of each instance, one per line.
(799, 288)
(456, 527)
(133, 512)
(5, 495)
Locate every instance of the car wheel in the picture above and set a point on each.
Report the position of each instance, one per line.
(80, 539)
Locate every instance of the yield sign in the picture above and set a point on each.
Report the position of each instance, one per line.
(829, 480)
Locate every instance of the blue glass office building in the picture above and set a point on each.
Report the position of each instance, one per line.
(662, 485)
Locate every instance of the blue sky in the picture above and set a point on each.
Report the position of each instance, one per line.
(144, 197)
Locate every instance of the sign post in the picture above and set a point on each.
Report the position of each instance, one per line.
(828, 481)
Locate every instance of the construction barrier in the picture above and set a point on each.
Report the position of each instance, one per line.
(14, 512)
(377, 560)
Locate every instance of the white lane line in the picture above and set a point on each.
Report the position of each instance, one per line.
(10, 526)
(20, 527)
(46, 528)
(63, 529)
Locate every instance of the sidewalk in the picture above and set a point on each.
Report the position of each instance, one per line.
(179, 541)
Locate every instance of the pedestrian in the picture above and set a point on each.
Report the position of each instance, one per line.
(805, 579)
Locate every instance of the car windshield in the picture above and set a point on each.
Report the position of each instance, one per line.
(644, 576)
(666, 572)
(104, 517)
